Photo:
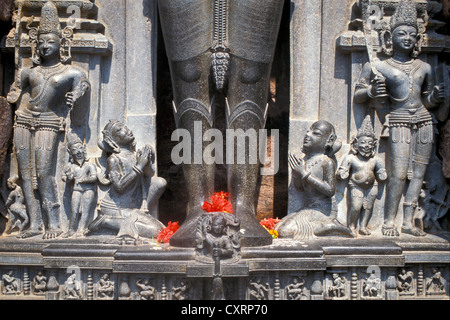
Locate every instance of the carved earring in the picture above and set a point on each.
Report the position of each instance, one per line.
(66, 44)
(386, 42)
(418, 46)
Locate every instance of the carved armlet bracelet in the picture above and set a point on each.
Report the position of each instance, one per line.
(137, 170)
(305, 178)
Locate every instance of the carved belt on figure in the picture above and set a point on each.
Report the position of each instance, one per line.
(36, 121)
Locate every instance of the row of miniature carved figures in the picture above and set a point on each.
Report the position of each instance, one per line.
(429, 283)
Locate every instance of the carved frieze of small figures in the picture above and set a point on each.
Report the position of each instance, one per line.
(183, 291)
(10, 284)
(145, 290)
(105, 287)
(406, 283)
(257, 290)
(435, 284)
(39, 283)
(371, 286)
(336, 287)
(73, 287)
(296, 290)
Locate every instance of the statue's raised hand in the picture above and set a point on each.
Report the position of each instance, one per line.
(143, 156)
(297, 165)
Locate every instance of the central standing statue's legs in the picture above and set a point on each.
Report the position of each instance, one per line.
(233, 42)
(191, 108)
(246, 107)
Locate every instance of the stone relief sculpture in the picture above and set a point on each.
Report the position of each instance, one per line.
(315, 175)
(72, 287)
(17, 211)
(183, 292)
(363, 170)
(257, 290)
(236, 40)
(435, 284)
(296, 290)
(146, 291)
(54, 88)
(125, 207)
(39, 283)
(408, 82)
(11, 285)
(337, 288)
(105, 287)
(83, 175)
(405, 282)
(372, 285)
(218, 236)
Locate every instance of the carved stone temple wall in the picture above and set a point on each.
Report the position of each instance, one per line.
(117, 48)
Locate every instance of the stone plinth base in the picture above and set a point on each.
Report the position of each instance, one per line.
(329, 268)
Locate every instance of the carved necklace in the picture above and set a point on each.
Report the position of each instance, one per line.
(220, 51)
(47, 73)
(409, 68)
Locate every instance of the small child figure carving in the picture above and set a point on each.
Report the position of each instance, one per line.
(363, 169)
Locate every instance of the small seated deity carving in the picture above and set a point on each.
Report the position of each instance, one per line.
(105, 287)
(11, 284)
(314, 175)
(337, 287)
(372, 285)
(39, 283)
(363, 168)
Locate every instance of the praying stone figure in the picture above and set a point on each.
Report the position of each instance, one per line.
(409, 84)
(83, 175)
(17, 211)
(315, 176)
(230, 44)
(362, 168)
(54, 88)
(134, 189)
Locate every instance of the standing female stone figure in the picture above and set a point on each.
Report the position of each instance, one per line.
(231, 42)
(409, 83)
(54, 89)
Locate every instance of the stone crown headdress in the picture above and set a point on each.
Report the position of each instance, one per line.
(405, 14)
(49, 20)
(72, 139)
(366, 129)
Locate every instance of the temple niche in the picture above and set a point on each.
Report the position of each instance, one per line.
(116, 180)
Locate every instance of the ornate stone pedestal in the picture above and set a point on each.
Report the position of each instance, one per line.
(331, 269)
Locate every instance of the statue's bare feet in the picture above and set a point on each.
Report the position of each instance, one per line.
(364, 232)
(413, 231)
(389, 231)
(28, 234)
(67, 234)
(51, 234)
